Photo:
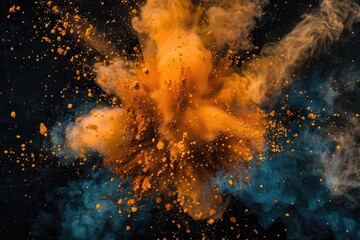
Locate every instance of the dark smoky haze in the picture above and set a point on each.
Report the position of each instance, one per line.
(166, 119)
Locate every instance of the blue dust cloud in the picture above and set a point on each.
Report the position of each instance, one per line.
(95, 208)
(312, 185)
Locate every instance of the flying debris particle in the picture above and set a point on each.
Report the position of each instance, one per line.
(43, 129)
(88, 31)
(233, 219)
(55, 9)
(61, 51)
(160, 145)
(311, 116)
(14, 8)
(338, 147)
(128, 228)
(69, 105)
(168, 206)
(13, 114)
(131, 202)
(78, 119)
(158, 200)
(212, 212)
(98, 206)
(211, 221)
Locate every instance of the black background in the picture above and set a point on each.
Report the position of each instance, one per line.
(34, 90)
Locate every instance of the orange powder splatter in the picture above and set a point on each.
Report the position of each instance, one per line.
(187, 116)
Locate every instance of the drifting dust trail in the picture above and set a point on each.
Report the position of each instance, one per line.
(185, 117)
(267, 74)
(340, 167)
(86, 32)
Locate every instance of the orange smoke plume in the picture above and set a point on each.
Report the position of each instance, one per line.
(186, 116)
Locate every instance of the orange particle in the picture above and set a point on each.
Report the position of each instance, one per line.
(311, 116)
(13, 114)
(98, 206)
(338, 147)
(168, 207)
(43, 129)
(131, 202)
(70, 106)
(211, 221)
(128, 228)
(88, 31)
(212, 212)
(78, 119)
(158, 200)
(12, 9)
(46, 39)
(233, 219)
(55, 9)
(160, 145)
(60, 51)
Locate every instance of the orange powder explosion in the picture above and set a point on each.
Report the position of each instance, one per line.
(186, 115)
